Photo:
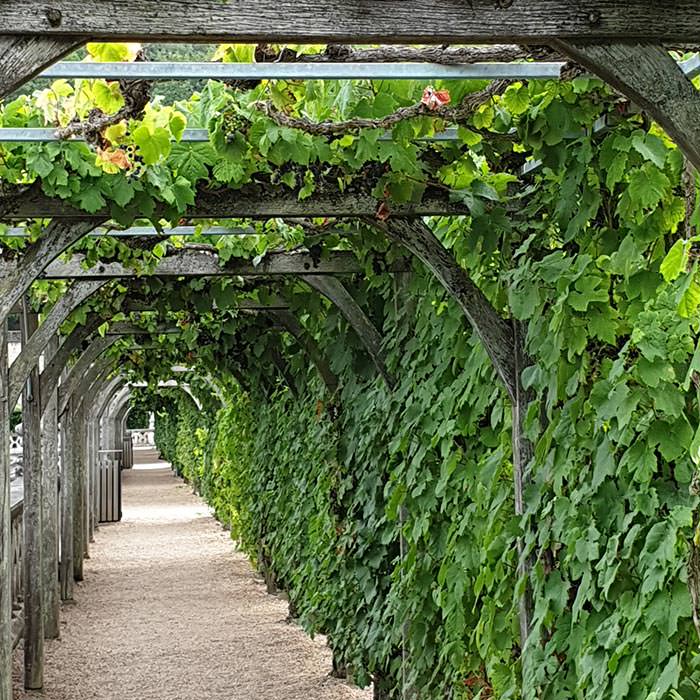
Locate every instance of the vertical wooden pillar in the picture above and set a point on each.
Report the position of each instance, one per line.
(50, 457)
(90, 458)
(5, 526)
(522, 456)
(33, 529)
(87, 481)
(67, 504)
(78, 495)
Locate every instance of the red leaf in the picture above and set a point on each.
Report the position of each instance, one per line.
(433, 99)
(383, 212)
(116, 157)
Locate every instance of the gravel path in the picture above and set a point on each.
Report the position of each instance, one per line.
(169, 611)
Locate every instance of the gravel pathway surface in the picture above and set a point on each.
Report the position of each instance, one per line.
(170, 611)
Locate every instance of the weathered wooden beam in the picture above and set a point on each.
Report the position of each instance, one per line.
(353, 21)
(59, 360)
(23, 57)
(283, 368)
(67, 501)
(34, 347)
(138, 306)
(251, 201)
(310, 347)
(196, 263)
(494, 332)
(15, 279)
(336, 292)
(6, 631)
(76, 381)
(50, 457)
(647, 74)
(33, 526)
(523, 453)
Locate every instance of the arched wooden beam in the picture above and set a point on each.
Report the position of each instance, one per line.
(647, 74)
(495, 333)
(290, 322)
(283, 368)
(59, 360)
(83, 370)
(24, 57)
(31, 352)
(336, 292)
(503, 345)
(16, 279)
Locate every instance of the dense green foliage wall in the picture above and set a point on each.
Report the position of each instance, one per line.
(323, 504)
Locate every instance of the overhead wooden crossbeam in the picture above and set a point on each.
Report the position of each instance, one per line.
(648, 75)
(249, 202)
(354, 21)
(189, 263)
(185, 231)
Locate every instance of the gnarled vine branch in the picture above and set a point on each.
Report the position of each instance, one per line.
(453, 115)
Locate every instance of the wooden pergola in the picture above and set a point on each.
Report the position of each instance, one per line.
(626, 44)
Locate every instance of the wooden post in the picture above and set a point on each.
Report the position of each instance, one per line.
(49, 442)
(33, 528)
(5, 527)
(67, 504)
(522, 456)
(78, 494)
(91, 460)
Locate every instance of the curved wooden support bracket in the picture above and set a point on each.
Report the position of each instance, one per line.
(494, 332)
(84, 370)
(24, 57)
(31, 352)
(284, 370)
(16, 280)
(647, 74)
(310, 346)
(54, 368)
(336, 292)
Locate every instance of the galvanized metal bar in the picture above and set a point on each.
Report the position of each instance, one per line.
(42, 135)
(532, 70)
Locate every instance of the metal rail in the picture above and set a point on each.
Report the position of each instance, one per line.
(43, 135)
(526, 70)
(303, 71)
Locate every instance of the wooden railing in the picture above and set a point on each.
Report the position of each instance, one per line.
(17, 534)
